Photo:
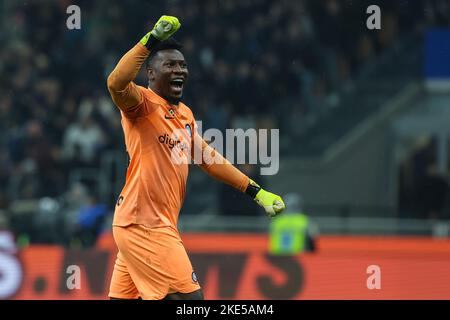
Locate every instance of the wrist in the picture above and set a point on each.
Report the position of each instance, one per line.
(252, 189)
(149, 41)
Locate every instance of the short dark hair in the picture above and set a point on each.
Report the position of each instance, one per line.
(168, 44)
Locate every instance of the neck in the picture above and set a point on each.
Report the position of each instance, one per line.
(172, 101)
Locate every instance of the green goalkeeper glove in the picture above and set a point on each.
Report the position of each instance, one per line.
(272, 203)
(164, 28)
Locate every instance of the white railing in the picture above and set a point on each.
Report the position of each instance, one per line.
(324, 225)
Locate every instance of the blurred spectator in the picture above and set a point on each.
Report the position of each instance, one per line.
(89, 223)
(291, 57)
(83, 216)
(48, 221)
(82, 142)
(233, 202)
(292, 232)
(431, 193)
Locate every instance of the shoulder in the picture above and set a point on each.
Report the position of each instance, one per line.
(149, 103)
(149, 95)
(186, 110)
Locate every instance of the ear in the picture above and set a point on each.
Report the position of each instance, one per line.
(151, 74)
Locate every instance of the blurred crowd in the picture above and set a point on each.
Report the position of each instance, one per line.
(252, 62)
(424, 190)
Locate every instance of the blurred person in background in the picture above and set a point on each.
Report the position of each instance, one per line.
(82, 142)
(431, 193)
(73, 200)
(323, 44)
(292, 232)
(234, 203)
(48, 222)
(89, 222)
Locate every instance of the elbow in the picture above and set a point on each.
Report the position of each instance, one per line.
(112, 83)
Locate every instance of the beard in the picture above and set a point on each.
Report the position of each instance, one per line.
(173, 100)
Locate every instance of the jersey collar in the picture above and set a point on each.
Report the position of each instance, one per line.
(163, 101)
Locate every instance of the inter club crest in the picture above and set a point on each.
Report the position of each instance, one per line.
(189, 130)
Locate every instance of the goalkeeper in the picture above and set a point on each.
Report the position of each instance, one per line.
(160, 130)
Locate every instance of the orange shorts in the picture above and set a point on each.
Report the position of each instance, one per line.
(150, 264)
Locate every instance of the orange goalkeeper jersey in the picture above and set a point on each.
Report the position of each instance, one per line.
(159, 138)
(157, 173)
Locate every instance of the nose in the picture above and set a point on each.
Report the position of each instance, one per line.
(179, 70)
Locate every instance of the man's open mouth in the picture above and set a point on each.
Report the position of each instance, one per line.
(177, 84)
